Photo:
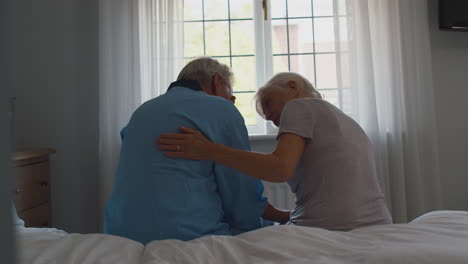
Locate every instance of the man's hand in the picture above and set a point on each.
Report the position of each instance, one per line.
(191, 144)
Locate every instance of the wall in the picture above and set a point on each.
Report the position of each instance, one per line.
(6, 232)
(56, 73)
(7, 245)
(450, 69)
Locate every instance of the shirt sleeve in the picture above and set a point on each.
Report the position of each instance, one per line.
(241, 195)
(297, 118)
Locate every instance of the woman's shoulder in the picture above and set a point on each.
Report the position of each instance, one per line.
(315, 108)
(307, 103)
(302, 108)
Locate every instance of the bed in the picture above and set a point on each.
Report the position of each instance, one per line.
(436, 237)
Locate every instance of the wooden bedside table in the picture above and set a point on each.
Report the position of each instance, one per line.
(32, 171)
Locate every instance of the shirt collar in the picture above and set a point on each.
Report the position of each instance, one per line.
(190, 84)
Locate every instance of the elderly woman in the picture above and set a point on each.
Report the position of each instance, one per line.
(323, 154)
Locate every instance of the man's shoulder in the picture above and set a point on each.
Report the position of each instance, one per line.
(200, 99)
(218, 106)
(191, 104)
(194, 96)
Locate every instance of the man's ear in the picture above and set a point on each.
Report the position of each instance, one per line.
(293, 87)
(292, 84)
(216, 84)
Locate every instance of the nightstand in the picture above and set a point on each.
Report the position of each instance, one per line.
(32, 199)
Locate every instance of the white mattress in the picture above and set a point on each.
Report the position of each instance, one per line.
(437, 237)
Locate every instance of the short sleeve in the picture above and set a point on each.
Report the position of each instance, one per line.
(298, 118)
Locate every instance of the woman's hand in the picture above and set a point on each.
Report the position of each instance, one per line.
(191, 144)
(276, 215)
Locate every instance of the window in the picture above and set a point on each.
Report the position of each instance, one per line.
(298, 36)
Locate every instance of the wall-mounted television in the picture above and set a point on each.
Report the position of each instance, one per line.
(453, 15)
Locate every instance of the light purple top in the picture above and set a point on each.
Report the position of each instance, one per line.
(335, 182)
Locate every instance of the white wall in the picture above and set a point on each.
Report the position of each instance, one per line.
(57, 101)
(450, 74)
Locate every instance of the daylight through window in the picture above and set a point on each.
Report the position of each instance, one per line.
(298, 36)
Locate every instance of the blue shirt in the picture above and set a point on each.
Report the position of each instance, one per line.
(156, 197)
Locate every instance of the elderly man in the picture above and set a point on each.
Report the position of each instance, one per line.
(156, 197)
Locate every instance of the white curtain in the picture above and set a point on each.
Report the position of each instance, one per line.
(385, 74)
(141, 52)
(162, 44)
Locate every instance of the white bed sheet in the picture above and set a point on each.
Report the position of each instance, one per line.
(52, 246)
(437, 237)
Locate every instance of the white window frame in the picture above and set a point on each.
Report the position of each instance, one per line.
(264, 63)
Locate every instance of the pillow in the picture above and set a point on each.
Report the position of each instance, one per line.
(16, 220)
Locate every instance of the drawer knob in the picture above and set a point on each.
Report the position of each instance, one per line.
(19, 190)
(44, 183)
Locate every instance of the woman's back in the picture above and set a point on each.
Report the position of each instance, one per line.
(335, 181)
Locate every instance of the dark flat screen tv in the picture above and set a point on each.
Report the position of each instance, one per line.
(453, 15)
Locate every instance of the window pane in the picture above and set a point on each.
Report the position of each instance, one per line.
(304, 65)
(278, 8)
(245, 102)
(244, 73)
(280, 64)
(224, 39)
(331, 96)
(300, 36)
(326, 71)
(323, 8)
(324, 35)
(193, 35)
(279, 36)
(193, 10)
(299, 8)
(216, 9)
(243, 38)
(217, 38)
(241, 8)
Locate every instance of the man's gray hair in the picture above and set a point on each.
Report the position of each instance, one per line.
(280, 82)
(202, 69)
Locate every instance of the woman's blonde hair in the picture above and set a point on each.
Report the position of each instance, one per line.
(280, 82)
